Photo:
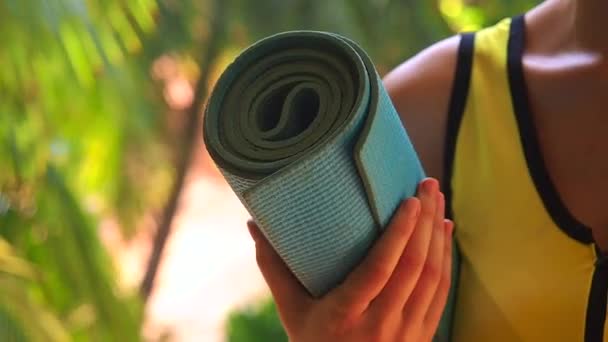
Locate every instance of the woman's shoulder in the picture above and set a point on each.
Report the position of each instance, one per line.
(420, 89)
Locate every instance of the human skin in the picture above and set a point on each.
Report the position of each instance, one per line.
(566, 71)
(396, 294)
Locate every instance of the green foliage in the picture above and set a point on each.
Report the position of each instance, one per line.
(75, 116)
(85, 134)
(388, 30)
(256, 324)
(71, 97)
(18, 305)
(11, 329)
(473, 15)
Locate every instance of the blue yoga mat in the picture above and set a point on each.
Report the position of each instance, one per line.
(307, 137)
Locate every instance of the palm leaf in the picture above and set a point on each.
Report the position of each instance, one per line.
(22, 317)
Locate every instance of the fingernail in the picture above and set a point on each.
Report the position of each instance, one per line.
(430, 185)
(449, 226)
(252, 230)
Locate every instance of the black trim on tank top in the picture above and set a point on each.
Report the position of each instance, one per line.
(458, 101)
(595, 319)
(529, 140)
(598, 297)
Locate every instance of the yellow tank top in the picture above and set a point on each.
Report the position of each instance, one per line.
(528, 270)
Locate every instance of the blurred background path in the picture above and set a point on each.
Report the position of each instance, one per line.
(208, 268)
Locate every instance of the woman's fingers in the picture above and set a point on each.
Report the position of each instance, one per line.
(418, 304)
(367, 280)
(441, 295)
(412, 261)
(290, 296)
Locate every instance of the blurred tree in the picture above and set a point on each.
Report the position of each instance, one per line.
(204, 59)
(70, 136)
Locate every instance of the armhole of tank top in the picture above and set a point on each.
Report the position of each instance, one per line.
(458, 101)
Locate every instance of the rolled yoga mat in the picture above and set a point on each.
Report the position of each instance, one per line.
(304, 132)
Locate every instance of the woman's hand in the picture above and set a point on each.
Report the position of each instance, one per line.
(397, 293)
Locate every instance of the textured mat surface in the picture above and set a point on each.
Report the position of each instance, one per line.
(304, 132)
